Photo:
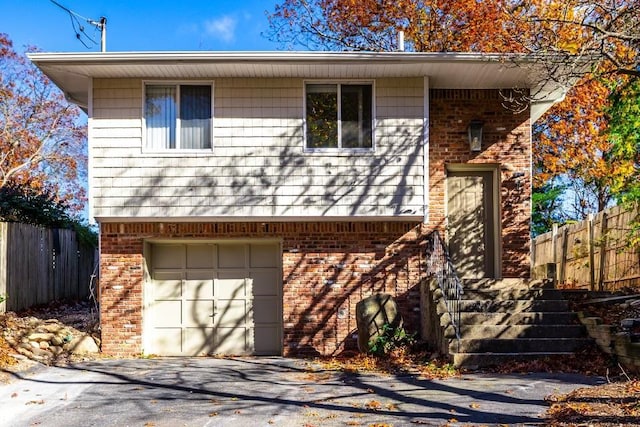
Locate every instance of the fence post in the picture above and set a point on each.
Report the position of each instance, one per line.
(603, 250)
(3, 265)
(592, 267)
(554, 245)
(563, 260)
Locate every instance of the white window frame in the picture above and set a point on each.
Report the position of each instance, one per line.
(339, 149)
(177, 83)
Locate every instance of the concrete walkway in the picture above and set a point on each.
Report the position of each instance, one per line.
(266, 392)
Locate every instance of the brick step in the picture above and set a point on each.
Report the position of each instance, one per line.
(517, 345)
(483, 360)
(512, 293)
(523, 318)
(513, 306)
(521, 331)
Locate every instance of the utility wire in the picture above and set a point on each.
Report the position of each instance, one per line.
(77, 26)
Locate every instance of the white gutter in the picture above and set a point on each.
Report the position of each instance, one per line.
(279, 56)
(425, 151)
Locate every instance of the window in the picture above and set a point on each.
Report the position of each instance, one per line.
(339, 116)
(178, 116)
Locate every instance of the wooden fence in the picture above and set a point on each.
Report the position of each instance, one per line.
(39, 265)
(592, 254)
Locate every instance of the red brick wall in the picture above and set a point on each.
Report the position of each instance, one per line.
(327, 268)
(506, 141)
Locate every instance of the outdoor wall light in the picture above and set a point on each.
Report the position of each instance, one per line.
(475, 135)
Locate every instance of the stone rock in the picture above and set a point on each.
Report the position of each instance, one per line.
(52, 327)
(372, 314)
(82, 345)
(44, 345)
(57, 340)
(25, 352)
(56, 350)
(37, 336)
(34, 344)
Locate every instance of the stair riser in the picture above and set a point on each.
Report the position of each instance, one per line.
(527, 318)
(521, 331)
(513, 306)
(523, 345)
(517, 294)
(504, 284)
(475, 361)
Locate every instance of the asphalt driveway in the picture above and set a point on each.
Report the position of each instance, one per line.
(266, 392)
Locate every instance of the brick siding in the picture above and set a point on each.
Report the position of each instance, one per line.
(506, 141)
(327, 268)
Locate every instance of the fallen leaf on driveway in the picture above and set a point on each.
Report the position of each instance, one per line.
(213, 414)
(474, 406)
(14, 395)
(373, 404)
(35, 402)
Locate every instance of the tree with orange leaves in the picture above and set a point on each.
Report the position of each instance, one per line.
(601, 36)
(42, 137)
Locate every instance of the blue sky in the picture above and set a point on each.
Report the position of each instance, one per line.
(140, 25)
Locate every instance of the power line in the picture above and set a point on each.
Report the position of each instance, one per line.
(79, 30)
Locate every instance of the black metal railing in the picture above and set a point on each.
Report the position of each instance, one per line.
(440, 267)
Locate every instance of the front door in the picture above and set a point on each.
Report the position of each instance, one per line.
(470, 222)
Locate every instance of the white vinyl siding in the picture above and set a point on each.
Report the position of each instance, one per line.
(259, 167)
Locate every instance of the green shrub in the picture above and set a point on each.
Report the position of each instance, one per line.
(390, 338)
(21, 203)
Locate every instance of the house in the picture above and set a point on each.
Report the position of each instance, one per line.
(247, 201)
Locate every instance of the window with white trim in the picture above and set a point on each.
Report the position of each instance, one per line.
(178, 116)
(339, 116)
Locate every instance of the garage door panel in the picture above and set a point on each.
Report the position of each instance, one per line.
(265, 310)
(200, 256)
(167, 313)
(267, 340)
(168, 256)
(232, 255)
(264, 255)
(199, 284)
(232, 341)
(231, 287)
(167, 341)
(232, 313)
(240, 284)
(199, 341)
(266, 281)
(198, 313)
(168, 288)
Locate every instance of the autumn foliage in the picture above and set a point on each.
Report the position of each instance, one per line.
(601, 38)
(42, 136)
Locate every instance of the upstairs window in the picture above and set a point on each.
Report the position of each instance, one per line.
(339, 116)
(178, 116)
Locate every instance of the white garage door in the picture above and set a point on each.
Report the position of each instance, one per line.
(214, 298)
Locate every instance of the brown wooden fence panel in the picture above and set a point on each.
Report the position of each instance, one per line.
(39, 265)
(592, 254)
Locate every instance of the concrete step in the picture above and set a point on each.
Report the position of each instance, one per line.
(522, 331)
(513, 306)
(502, 284)
(523, 318)
(512, 293)
(517, 345)
(483, 360)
